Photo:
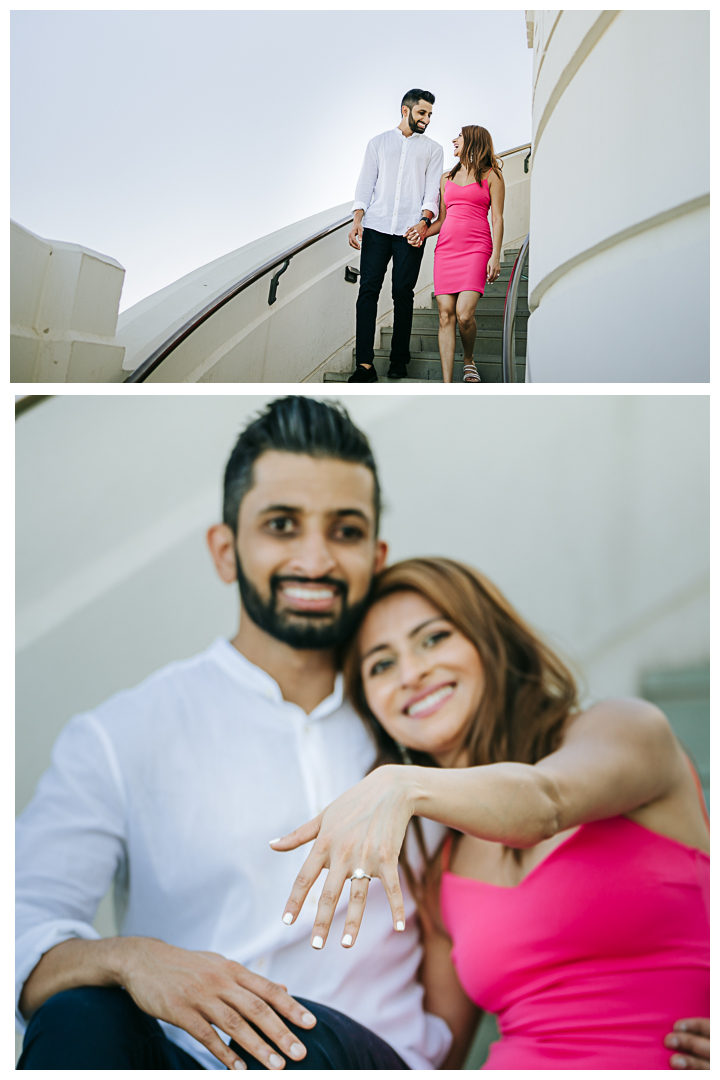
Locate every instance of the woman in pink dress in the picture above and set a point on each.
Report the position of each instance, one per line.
(467, 254)
(571, 894)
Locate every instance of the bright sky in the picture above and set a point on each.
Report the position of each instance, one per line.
(168, 138)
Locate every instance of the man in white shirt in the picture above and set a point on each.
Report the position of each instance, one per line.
(398, 190)
(174, 789)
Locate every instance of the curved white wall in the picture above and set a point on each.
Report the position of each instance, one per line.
(619, 268)
(308, 330)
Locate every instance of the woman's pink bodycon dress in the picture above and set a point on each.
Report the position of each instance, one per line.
(593, 957)
(464, 244)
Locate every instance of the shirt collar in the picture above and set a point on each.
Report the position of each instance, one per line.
(254, 678)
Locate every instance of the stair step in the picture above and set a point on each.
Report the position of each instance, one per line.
(425, 347)
(488, 304)
(423, 371)
(428, 322)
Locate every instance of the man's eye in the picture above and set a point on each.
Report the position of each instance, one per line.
(350, 532)
(281, 525)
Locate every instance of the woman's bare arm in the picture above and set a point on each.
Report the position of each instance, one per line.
(496, 187)
(444, 996)
(618, 757)
(437, 223)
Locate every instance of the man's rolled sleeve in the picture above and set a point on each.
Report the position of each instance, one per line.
(367, 179)
(431, 196)
(69, 845)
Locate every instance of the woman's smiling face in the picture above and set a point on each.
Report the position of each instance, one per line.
(422, 678)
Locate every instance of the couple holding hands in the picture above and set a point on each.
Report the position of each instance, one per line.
(395, 211)
(543, 862)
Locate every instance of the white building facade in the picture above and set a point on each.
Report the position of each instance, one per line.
(620, 197)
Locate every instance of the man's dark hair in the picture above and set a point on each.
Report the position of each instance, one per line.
(295, 425)
(414, 96)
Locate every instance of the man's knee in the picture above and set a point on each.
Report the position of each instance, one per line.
(336, 1042)
(84, 1025)
(81, 1006)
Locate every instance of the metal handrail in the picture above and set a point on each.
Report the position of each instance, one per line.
(149, 365)
(153, 361)
(511, 297)
(507, 153)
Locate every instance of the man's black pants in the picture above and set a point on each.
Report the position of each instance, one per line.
(377, 250)
(101, 1027)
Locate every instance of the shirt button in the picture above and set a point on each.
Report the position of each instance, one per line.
(306, 729)
(260, 963)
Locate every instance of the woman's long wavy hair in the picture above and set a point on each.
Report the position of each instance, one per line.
(529, 692)
(477, 153)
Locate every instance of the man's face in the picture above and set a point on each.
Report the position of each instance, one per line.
(306, 548)
(419, 118)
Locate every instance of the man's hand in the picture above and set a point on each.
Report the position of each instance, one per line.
(356, 233)
(692, 1038)
(194, 990)
(416, 233)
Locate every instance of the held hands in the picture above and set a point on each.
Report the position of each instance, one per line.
(362, 830)
(416, 234)
(692, 1039)
(194, 990)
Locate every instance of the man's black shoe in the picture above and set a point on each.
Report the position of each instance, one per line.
(397, 370)
(364, 374)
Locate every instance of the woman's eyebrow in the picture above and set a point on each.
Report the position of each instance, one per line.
(418, 628)
(422, 625)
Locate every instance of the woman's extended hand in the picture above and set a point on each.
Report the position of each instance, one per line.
(493, 270)
(362, 830)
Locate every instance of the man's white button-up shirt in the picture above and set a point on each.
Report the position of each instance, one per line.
(173, 789)
(399, 179)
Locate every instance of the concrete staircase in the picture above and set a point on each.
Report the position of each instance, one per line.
(424, 363)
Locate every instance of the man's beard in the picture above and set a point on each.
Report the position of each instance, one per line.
(300, 630)
(413, 125)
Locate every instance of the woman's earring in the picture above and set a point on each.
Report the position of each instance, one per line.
(403, 751)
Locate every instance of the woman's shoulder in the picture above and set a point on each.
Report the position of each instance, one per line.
(495, 178)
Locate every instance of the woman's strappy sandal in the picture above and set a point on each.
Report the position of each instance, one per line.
(470, 373)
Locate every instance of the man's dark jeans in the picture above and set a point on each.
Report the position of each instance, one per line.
(377, 250)
(101, 1027)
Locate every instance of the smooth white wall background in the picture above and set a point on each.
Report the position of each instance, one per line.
(168, 138)
(620, 243)
(590, 512)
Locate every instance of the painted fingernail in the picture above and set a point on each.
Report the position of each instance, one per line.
(347, 940)
(399, 925)
(307, 1018)
(673, 1040)
(287, 918)
(296, 1050)
(239, 1064)
(275, 841)
(682, 1026)
(317, 942)
(275, 1061)
(680, 1062)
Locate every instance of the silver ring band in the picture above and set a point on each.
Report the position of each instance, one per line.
(359, 875)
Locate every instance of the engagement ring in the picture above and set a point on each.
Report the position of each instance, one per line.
(359, 875)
